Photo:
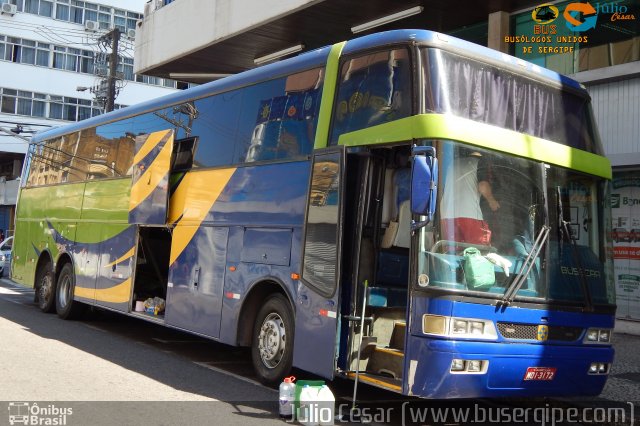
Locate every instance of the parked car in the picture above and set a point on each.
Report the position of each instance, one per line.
(5, 256)
(634, 235)
(621, 235)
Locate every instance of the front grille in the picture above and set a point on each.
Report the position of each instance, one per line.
(530, 331)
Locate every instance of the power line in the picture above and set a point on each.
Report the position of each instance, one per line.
(25, 124)
(10, 133)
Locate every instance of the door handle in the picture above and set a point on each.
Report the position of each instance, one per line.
(196, 278)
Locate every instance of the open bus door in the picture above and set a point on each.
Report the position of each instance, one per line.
(149, 211)
(149, 201)
(317, 304)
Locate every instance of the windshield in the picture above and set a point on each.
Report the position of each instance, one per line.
(498, 230)
(581, 266)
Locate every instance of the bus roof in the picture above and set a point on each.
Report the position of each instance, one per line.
(318, 57)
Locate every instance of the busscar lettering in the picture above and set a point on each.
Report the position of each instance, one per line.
(567, 270)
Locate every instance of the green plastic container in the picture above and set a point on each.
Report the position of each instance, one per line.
(479, 272)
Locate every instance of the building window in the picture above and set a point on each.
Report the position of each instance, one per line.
(33, 52)
(41, 105)
(8, 102)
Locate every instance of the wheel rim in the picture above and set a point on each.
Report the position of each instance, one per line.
(64, 293)
(272, 340)
(45, 289)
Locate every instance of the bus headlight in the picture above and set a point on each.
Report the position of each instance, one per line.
(459, 326)
(599, 368)
(468, 366)
(457, 365)
(474, 366)
(598, 335)
(439, 325)
(476, 327)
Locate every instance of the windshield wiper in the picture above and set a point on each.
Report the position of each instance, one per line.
(527, 265)
(564, 228)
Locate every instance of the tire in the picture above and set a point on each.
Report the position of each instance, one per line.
(272, 341)
(45, 288)
(66, 307)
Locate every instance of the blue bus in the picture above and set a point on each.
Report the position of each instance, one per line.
(418, 211)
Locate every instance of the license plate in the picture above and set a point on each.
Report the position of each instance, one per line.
(540, 373)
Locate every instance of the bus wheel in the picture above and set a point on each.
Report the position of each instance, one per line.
(272, 345)
(66, 307)
(45, 288)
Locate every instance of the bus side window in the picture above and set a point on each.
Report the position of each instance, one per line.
(374, 89)
(183, 152)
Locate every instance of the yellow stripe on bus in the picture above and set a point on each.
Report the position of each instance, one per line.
(86, 293)
(150, 179)
(119, 293)
(125, 256)
(191, 202)
(376, 382)
(152, 141)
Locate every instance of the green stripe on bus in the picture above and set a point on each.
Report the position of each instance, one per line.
(442, 126)
(328, 94)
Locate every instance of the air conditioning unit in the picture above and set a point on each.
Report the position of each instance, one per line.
(91, 26)
(131, 34)
(9, 9)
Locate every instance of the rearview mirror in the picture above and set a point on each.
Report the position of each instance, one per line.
(424, 179)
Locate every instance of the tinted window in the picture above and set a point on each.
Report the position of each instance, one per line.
(279, 118)
(53, 162)
(215, 124)
(321, 244)
(182, 158)
(275, 119)
(105, 154)
(373, 89)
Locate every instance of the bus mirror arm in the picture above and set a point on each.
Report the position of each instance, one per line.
(415, 225)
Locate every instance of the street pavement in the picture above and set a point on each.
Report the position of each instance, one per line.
(50, 362)
(162, 376)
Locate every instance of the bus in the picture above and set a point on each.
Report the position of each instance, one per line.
(408, 208)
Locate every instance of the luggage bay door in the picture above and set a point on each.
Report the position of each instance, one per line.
(317, 304)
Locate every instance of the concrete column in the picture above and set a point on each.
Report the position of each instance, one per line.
(17, 168)
(498, 29)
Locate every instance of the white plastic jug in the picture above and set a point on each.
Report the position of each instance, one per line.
(326, 406)
(287, 395)
(307, 414)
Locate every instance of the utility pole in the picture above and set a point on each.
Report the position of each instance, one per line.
(113, 37)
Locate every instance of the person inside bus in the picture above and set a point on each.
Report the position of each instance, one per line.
(461, 218)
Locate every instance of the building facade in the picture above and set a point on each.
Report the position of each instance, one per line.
(52, 63)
